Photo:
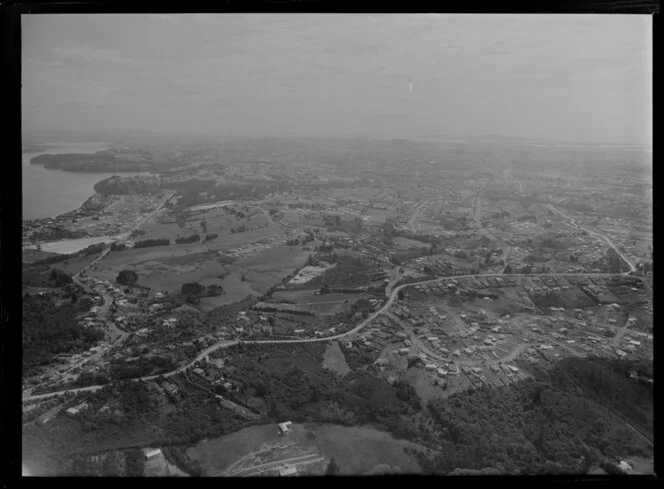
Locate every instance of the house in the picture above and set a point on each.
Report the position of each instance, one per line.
(151, 453)
(284, 427)
(287, 470)
(72, 411)
(198, 371)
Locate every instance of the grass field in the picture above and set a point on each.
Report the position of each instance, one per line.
(423, 384)
(334, 359)
(356, 450)
(326, 304)
(31, 256)
(266, 268)
(162, 275)
(236, 290)
(168, 267)
(217, 454)
(67, 246)
(307, 297)
(74, 265)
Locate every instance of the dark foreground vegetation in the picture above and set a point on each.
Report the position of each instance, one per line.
(545, 425)
(50, 328)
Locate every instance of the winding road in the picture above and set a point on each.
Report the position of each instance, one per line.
(228, 343)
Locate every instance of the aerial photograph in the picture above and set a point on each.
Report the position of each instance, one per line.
(284, 245)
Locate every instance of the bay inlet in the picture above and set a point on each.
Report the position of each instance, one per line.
(50, 193)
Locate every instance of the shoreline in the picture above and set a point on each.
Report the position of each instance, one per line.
(53, 193)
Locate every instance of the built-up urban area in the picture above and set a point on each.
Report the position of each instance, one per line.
(279, 307)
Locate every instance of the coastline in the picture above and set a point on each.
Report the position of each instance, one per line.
(55, 194)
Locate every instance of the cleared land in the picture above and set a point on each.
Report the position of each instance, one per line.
(67, 246)
(409, 243)
(356, 450)
(31, 256)
(334, 359)
(75, 265)
(168, 267)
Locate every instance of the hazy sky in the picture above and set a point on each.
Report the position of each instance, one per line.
(577, 78)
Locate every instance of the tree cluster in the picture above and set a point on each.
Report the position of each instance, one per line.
(188, 239)
(127, 277)
(49, 330)
(146, 243)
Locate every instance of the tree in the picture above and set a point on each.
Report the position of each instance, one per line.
(110, 465)
(332, 468)
(135, 462)
(192, 289)
(59, 277)
(127, 277)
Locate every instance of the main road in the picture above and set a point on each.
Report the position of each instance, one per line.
(589, 231)
(228, 343)
(416, 215)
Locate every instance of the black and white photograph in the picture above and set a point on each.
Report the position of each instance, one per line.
(307, 244)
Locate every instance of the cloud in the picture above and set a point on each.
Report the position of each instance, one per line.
(88, 52)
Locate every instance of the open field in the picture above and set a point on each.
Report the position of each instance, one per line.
(31, 256)
(306, 274)
(223, 241)
(67, 246)
(214, 205)
(260, 272)
(236, 290)
(74, 265)
(168, 267)
(409, 243)
(334, 359)
(306, 297)
(162, 275)
(356, 450)
(423, 384)
(266, 268)
(162, 271)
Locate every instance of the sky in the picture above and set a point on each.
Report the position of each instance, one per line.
(581, 78)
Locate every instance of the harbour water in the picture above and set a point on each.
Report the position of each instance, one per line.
(49, 193)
